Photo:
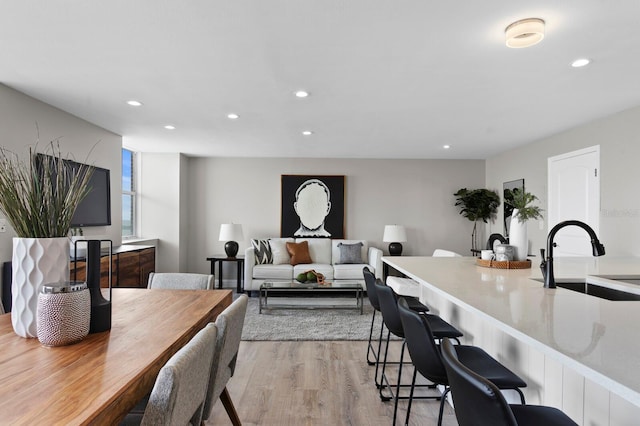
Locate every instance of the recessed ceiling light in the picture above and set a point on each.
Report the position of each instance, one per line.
(524, 33)
(301, 94)
(134, 103)
(170, 127)
(580, 62)
(446, 146)
(233, 116)
(307, 132)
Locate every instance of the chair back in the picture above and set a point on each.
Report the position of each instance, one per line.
(445, 253)
(423, 349)
(370, 281)
(477, 401)
(180, 281)
(229, 323)
(180, 390)
(389, 308)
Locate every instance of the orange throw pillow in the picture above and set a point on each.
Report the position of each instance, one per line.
(299, 252)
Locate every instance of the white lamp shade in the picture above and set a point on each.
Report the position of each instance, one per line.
(394, 234)
(231, 232)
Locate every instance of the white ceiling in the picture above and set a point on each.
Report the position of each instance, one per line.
(388, 79)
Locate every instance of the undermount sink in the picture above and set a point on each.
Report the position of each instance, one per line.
(596, 290)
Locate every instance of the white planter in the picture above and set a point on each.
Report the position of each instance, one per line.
(518, 237)
(36, 261)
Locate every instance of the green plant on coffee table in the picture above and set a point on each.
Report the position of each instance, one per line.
(522, 200)
(39, 196)
(477, 204)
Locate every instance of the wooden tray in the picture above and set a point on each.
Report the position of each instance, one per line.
(507, 264)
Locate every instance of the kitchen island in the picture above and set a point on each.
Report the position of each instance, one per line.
(577, 352)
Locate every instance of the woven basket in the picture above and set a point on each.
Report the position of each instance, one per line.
(506, 264)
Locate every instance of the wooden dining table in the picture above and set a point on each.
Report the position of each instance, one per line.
(99, 379)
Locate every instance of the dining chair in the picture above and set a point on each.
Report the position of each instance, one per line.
(180, 389)
(180, 281)
(427, 360)
(393, 322)
(479, 402)
(229, 323)
(445, 253)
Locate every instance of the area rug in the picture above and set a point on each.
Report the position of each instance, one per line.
(309, 324)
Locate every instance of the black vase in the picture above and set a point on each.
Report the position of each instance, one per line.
(100, 307)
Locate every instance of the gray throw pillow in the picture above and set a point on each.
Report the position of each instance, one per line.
(262, 251)
(350, 253)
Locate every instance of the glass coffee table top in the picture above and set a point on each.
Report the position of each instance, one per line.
(271, 288)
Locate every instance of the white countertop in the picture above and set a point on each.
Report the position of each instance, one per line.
(598, 338)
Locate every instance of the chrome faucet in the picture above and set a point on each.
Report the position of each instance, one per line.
(547, 264)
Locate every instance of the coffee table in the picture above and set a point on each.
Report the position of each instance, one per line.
(268, 288)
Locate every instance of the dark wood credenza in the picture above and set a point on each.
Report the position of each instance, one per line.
(130, 267)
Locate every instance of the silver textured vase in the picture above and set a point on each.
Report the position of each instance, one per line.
(35, 261)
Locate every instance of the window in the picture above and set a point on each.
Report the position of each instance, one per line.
(128, 194)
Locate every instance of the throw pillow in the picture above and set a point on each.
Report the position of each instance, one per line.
(262, 251)
(279, 252)
(299, 252)
(350, 253)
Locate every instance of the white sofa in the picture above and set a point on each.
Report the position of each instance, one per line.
(325, 256)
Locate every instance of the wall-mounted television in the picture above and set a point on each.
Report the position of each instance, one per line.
(95, 208)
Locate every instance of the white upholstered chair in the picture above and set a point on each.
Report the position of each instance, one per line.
(409, 287)
(180, 389)
(229, 323)
(180, 281)
(445, 253)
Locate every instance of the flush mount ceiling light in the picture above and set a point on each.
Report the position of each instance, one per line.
(301, 94)
(233, 116)
(134, 103)
(170, 127)
(524, 33)
(446, 146)
(307, 132)
(578, 63)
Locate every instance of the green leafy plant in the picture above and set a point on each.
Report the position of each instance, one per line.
(39, 196)
(477, 204)
(522, 200)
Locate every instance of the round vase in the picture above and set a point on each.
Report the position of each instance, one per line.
(518, 237)
(35, 261)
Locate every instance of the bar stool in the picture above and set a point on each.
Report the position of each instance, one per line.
(479, 402)
(391, 317)
(427, 360)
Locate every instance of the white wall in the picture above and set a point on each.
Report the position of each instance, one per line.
(414, 193)
(84, 141)
(619, 140)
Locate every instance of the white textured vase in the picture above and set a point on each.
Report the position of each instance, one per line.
(518, 237)
(36, 261)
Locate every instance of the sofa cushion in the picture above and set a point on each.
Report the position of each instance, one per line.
(299, 253)
(319, 249)
(335, 250)
(348, 272)
(350, 253)
(279, 250)
(273, 272)
(262, 251)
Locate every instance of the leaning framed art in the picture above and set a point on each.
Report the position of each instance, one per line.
(312, 206)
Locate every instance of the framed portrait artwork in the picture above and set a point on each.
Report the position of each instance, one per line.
(312, 206)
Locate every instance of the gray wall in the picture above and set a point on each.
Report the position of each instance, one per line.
(619, 140)
(414, 193)
(84, 141)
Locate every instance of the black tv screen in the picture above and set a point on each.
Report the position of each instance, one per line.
(95, 208)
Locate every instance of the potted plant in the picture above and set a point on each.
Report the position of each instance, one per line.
(38, 197)
(477, 204)
(523, 210)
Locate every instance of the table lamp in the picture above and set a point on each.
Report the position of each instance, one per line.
(394, 235)
(231, 232)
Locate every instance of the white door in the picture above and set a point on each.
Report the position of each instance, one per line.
(574, 194)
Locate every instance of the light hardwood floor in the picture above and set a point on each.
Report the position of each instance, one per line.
(316, 383)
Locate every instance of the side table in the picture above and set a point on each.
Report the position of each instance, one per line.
(239, 260)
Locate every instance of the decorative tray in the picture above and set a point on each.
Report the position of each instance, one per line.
(506, 264)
